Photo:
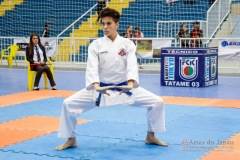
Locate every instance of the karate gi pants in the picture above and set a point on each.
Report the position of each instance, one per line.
(82, 101)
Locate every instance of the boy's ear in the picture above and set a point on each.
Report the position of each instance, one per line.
(117, 24)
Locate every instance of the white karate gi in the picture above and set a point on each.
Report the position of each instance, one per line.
(111, 62)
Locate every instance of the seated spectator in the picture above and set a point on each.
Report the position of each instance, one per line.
(171, 2)
(196, 33)
(128, 33)
(137, 33)
(36, 54)
(184, 33)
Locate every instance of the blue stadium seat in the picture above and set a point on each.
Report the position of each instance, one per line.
(61, 13)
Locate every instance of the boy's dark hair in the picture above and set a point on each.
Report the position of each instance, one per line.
(46, 24)
(109, 12)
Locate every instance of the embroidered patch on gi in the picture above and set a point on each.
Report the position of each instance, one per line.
(122, 52)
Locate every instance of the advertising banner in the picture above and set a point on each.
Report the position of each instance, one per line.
(229, 49)
(151, 48)
(50, 45)
(22, 44)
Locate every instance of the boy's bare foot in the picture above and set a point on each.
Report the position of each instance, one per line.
(151, 139)
(70, 143)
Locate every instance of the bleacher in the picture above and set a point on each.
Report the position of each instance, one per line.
(155, 11)
(235, 1)
(235, 32)
(32, 15)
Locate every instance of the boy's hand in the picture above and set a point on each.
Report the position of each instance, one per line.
(102, 89)
(126, 88)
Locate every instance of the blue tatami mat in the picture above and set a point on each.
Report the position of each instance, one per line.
(211, 118)
(184, 144)
(218, 113)
(131, 150)
(128, 114)
(122, 114)
(111, 130)
(45, 145)
(176, 135)
(119, 132)
(10, 155)
(98, 147)
(224, 124)
(118, 140)
(46, 107)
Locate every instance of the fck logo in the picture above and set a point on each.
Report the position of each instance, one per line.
(188, 67)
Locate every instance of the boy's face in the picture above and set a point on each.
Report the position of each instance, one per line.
(109, 26)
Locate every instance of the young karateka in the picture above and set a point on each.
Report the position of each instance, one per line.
(111, 79)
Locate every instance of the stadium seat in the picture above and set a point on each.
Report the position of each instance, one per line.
(11, 54)
(31, 75)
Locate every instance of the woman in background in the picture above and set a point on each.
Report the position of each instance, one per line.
(36, 55)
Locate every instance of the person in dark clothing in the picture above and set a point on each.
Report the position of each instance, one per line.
(46, 31)
(196, 33)
(212, 1)
(100, 6)
(184, 33)
(36, 55)
(128, 33)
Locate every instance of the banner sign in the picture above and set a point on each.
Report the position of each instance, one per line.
(151, 48)
(188, 67)
(50, 45)
(22, 44)
(229, 49)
